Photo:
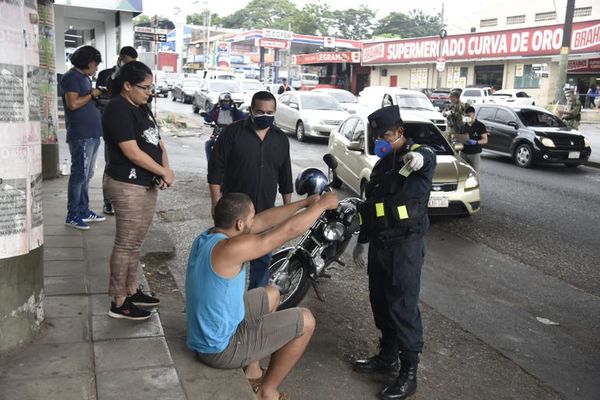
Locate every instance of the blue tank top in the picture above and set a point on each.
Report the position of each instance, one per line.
(214, 305)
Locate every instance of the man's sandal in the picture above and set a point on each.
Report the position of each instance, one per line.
(255, 383)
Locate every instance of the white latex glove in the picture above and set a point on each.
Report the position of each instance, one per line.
(359, 255)
(414, 160)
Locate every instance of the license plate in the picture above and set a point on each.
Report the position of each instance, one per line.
(573, 154)
(438, 202)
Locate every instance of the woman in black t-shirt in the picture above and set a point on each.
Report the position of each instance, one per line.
(477, 136)
(137, 166)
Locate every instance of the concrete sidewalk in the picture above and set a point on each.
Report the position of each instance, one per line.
(82, 353)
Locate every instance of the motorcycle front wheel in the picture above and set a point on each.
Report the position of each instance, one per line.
(293, 292)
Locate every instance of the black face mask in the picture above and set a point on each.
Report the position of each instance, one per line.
(264, 121)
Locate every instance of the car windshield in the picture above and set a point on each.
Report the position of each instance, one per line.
(428, 134)
(315, 102)
(343, 97)
(224, 86)
(191, 84)
(251, 85)
(412, 102)
(539, 118)
(503, 95)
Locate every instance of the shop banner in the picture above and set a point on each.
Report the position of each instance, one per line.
(327, 57)
(530, 42)
(272, 43)
(585, 66)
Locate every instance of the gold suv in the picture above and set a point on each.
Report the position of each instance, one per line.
(455, 188)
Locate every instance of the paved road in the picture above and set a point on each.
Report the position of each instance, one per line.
(531, 252)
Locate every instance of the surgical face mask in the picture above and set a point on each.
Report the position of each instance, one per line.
(263, 121)
(382, 148)
(468, 120)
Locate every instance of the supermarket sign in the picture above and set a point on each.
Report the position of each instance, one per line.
(327, 57)
(539, 41)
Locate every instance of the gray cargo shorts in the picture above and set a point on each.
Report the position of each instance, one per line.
(259, 335)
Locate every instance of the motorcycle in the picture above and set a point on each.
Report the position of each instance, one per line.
(294, 269)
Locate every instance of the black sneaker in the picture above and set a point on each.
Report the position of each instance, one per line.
(141, 299)
(128, 311)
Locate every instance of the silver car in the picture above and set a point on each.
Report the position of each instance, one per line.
(208, 95)
(309, 114)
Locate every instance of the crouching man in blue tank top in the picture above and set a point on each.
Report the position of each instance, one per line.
(228, 327)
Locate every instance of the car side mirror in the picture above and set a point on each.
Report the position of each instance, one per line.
(294, 106)
(458, 146)
(513, 124)
(354, 146)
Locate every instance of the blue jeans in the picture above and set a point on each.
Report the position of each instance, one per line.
(259, 272)
(83, 159)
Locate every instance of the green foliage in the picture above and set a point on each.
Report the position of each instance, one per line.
(415, 24)
(354, 23)
(274, 14)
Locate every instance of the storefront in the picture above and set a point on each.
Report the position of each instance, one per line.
(511, 59)
(584, 74)
(339, 69)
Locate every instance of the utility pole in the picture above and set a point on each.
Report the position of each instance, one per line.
(559, 95)
(289, 58)
(438, 84)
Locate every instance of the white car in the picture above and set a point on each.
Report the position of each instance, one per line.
(348, 101)
(210, 89)
(250, 87)
(308, 114)
(513, 97)
(408, 100)
(455, 188)
(477, 95)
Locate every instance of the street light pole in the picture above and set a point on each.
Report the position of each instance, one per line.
(559, 94)
(438, 84)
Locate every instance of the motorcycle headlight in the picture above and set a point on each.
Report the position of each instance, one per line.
(333, 231)
(586, 142)
(472, 182)
(547, 142)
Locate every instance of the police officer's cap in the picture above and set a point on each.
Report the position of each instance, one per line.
(454, 93)
(384, 119)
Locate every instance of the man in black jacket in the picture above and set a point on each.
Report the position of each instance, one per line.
(252, 156)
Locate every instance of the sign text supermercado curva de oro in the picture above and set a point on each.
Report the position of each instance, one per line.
(539, 41)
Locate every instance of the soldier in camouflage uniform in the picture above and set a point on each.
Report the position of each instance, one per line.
(454, 114)
(572, 115)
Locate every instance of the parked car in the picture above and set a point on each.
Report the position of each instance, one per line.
(348, 101)
(407, 100)
(476, 95)
(512, 96)
(531, 135)
(305, 81)
(171, 79)
(208, 94)
(440, 98)
(161, 88)
(184, 90)
(249, 87)
(308, 114)
(455, 184)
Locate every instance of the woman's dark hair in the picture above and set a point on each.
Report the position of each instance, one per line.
(133, 72)
(83, 56)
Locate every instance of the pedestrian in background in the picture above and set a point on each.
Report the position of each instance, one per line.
(84, 128)
(138, 166)
(476, 136)
(252, 156)
(126, 55)
(284, 87)
(592, 93)
(454, 115)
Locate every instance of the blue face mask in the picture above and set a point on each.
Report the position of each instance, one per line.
(226, 106)
(382, 148)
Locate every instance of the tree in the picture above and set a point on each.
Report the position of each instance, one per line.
(274, 14)
(415, 24)
(354, 23)
(313, 19)
(145, 20)
(198, 19)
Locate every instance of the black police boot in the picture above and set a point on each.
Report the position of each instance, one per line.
(386, 361)
(405, 384)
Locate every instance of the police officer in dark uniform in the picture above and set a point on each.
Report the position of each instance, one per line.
(394, 221)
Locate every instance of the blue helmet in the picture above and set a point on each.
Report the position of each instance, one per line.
(311, 181)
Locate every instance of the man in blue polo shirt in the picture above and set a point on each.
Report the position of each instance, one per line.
(84, 129)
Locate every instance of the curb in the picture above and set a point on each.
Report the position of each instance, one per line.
(592, 164)
(157, 245)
